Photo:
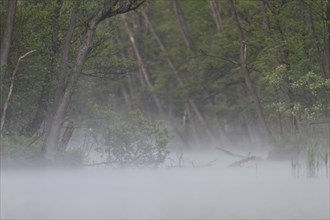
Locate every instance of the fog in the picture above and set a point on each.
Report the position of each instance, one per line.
(202, 187)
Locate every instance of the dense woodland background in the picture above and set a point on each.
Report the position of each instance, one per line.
(216, 72)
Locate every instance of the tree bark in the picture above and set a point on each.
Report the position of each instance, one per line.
(111, 9)
(6, 38)
(245, 71)
(215, 9)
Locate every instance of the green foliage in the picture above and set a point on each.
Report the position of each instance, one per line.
(284, 64)
(19, 148)
(132, 140)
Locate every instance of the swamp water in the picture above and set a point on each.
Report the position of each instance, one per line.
(199, 189)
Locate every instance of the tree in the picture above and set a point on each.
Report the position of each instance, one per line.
(170, 63)
(111, 9)
(131, 139)
(245, 72)
(43, 108)
(231, 71)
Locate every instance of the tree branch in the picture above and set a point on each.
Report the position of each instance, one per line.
(11, 87)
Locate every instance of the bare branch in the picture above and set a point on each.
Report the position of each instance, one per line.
(247, 159)
(11, 87)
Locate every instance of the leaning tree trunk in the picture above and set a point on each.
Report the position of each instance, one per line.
(52, 136)
(128, 88)
(183, 27)
(266, 27)
(320, 53)
(63, 73)
(265, 18)
(176, 72)
(144, 71)
(42, 109)
(284, 59)
(6, 38)
(65, 56)
(215, 9)
(327, 40)
(111, 9)
(246, 72)
(189, 44)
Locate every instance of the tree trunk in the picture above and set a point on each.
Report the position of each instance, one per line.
(265, 18)
(246, 73)
(183, 27)
(175, 71)
(189, 45)
(129, 87)
(144, 71)
(42, 108)
(266, 26)
(215, 9)
(321, 55)
(193, 128)
(40, 114)
(327, 40)
(284, 59)
(69, 129)
(52, 137)
(6, 38)
(65, 57)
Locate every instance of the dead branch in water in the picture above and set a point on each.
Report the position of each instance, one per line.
(230, 153)
(240, 162)
(243, 160)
